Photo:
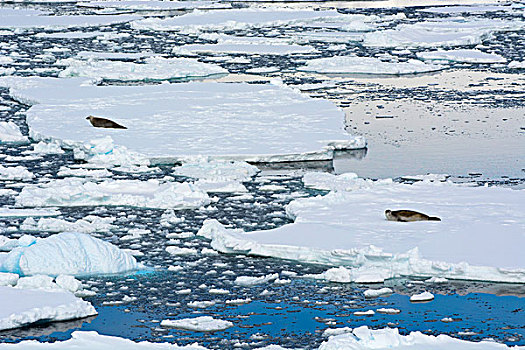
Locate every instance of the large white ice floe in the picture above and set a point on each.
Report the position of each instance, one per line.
(367, 65)
(155, 5)
(169, 122)
(88, 224)
(461, 55)
(134, 193)
(69, 253)
(153, 68)
(10, 133)
(27, 19)
(479, 237)
(92, 340)
(15, 173)
(17, 212)
(198, 324)
(23, 307)
(443, 32)
(232, 19)
(363, 338)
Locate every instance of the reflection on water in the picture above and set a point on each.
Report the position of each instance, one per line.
(44, 328)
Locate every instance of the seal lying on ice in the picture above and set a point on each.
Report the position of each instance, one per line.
(104, 123)
(408, 215)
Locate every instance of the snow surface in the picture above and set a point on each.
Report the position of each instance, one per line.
(198, 324)
(363, 338)
(22, 307)
(156, 5)
(153, 68)
(68, 253)
(15, 212)
(10, 133)
(445, 32)
(134, 193)
(461, 55)
(367, 65)
(348, 228)
(15, 173)
(92, 340)
(169, 122)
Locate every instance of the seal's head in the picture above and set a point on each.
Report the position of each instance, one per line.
(388, 214)
(89, 117)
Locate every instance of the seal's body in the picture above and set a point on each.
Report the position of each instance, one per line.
(408, 215)
(104, 123)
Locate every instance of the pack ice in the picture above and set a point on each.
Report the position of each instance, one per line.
(479, 238)
(22, 307)
(169, 122)
(69, 253)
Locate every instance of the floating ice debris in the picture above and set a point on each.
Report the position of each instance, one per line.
(330, 182)
(201, 304)
(134, 193)
(47, 148)
(247, 281)
(389, 338)
(68, 253)
(15, 173)
(336, 331)
(465, 9)
(388, 311)
(10, 133)
(93, 173)
(238, 301)
(243, 121)
(350, 229)
(88, 224)
(23, 307)
(441, 32)
(436, 280)
(105, 153)
(92, 340)
(15, 212)
(374, 293)
(92, 55)
(155, 5)
(425, 296)
(198, 324)
(364, 313)
(27, 19)
(231, 19)
(367, 65)
(8, 279)
(8, 244)
(173, 250)
(153, 68)
(69, 35)
(463, 55)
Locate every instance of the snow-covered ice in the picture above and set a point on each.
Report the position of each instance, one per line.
(69, 253)
(363, 338)
(348, 228)
(461, 55)
(170, 122)
(22, 307)
(198, 324)
(248, 281)
(156, 5)
(10, 133)
(92, 340)
(442, 32)
(87, 224)
(153, 68)
(367, 65)
(425, 296)
(232, 19)
(135, 193)
(374, 293)
(15, 173)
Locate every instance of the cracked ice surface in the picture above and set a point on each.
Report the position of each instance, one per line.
(479, 238)
(22, 307)
(170, 122)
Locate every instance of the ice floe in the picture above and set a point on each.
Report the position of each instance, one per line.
(374, 293)
(88, 224)
(247, 281)
(232, 19)
(367, 65)
(92, 340)
(153, 68)
(135, 193)
(155, 5)
(425, 296)
(463, 55)
(517, 65)
(198, 324)
(363, 338)
(444, 32)
(10, 133)
(23, 307)
(170, 122)
(27, 19)
(15, 173)
(68, 253)
(349, 229)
